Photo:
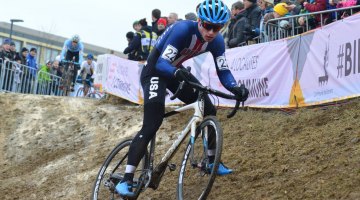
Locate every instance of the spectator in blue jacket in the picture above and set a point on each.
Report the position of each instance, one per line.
(31, 62)
(30, 72)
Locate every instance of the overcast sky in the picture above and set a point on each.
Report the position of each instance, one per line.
(99, 22)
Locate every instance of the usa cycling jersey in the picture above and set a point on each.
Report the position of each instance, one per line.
(182, 41)
(69, 47)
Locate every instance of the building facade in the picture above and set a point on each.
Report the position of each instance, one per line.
(48, 45)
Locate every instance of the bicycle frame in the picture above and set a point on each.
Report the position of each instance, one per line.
(198, 116)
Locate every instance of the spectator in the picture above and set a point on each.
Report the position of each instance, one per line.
(44, 79)
(173, 17)
(191, 16)
(15, 55)
(6, 55)
(266, 7)
(344, 4)
(130, 49)
(137, 26)
(23, 55)
(253, 15)
(31, 62)
(161, 25)
(144, 40)
(31, 71)
(317, 5)
(55, 70)
(155, 16)
(236, 28)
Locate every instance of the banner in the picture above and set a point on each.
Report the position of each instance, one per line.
(331, 62)
(123, 78)
(316, 67)
(101, 71)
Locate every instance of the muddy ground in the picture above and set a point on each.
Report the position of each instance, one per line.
(52, 148)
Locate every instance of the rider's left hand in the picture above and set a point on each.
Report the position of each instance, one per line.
(241, 92)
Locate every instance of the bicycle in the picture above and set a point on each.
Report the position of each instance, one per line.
(92, 92)
(68, 75)
(194, 168)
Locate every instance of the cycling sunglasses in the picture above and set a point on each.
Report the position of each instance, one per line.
(209, 26)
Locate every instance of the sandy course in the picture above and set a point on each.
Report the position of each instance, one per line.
(52, 148)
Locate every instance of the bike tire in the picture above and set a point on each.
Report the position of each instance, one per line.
(195, 177)
(112, 170)
(80, 92)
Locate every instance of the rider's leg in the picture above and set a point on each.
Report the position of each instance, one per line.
(76, 66)
(86, 89)
(154, 100)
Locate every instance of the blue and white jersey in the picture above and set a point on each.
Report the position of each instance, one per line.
(69, 47)
(182, 41)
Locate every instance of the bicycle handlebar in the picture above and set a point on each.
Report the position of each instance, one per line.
(211, 91)
(70, 62)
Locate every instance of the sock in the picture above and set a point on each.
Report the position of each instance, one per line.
(128, 177)
(211, 159)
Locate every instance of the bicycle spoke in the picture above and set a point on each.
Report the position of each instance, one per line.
(112, 172)
(196, 174)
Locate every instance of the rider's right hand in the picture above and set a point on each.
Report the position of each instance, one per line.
(241, 92)
(182, 74)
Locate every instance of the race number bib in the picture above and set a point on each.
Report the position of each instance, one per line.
(221, 63)
(170, 53)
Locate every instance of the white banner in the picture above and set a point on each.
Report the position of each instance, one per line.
(332, 62)
(123, 78)
(101, 71)
(260, 67)
(277, 74)
(267, 70)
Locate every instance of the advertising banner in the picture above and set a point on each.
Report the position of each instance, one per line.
(123, 78)
(331, 67)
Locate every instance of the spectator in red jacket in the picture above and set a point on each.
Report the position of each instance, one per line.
(317, 5)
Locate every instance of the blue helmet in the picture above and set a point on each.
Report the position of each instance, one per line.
(214, 11)
(90, 56)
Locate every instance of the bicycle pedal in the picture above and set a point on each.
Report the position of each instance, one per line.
(172, 167)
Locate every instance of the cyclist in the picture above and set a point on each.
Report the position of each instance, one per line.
(87, 71)
(180, 41)
(73, 47)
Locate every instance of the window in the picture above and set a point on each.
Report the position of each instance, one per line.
(50, 54)
(18, 45)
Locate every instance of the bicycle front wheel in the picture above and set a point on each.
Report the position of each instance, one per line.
(197, 174)
(112, 172)
(80, 92)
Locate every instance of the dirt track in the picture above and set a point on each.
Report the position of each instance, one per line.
(52, 147)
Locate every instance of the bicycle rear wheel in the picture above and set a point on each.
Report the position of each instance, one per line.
(112, 172)
(196, 177)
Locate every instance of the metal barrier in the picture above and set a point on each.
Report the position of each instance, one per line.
(48, 84)
(284, 27)
(20, 78)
